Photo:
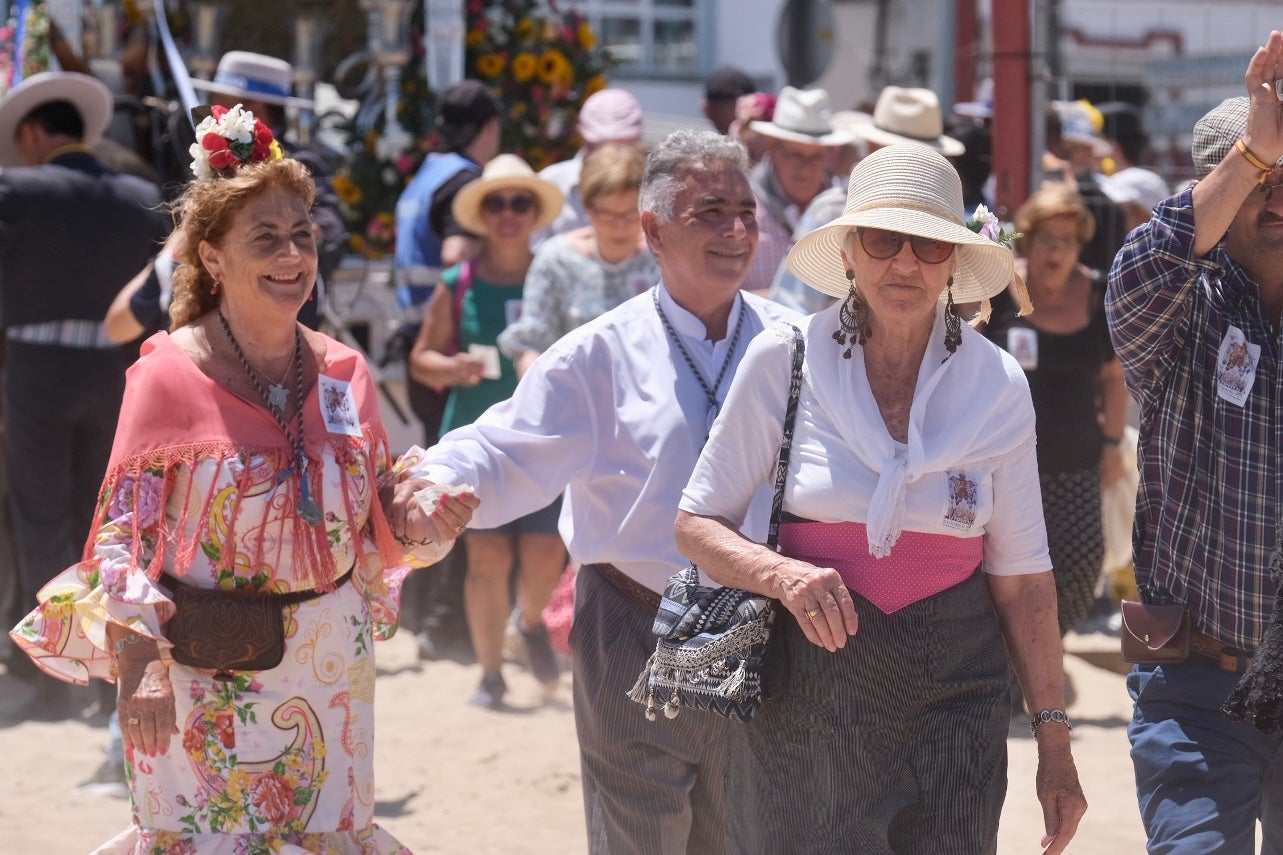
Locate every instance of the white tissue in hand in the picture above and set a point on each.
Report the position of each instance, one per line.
(429, 497)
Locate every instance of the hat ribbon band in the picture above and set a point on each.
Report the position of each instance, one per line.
(253, 87)
(807, 132)
(907, 136)
(912, 206)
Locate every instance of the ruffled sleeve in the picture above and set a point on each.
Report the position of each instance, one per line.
(66, 634)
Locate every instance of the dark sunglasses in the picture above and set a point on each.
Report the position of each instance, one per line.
(517, 204)
(882, 244)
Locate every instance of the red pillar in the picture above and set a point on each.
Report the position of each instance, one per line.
(966, 49)
(1012, 84)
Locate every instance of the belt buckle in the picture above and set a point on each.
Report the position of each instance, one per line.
(1227, 660)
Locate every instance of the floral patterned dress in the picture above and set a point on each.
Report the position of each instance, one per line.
(203, 486)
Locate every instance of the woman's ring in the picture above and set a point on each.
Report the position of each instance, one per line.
(813, 613)
(460, 528)
(133, 719)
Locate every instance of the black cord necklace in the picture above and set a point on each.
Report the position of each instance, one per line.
(710, 392)
(308, 508)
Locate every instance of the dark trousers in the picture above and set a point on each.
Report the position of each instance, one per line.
(60, 411)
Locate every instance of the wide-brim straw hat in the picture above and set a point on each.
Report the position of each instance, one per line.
(910, 116)
(254, 77)
(506, 172)
(911, 189)
(804, 115)
(91, 98)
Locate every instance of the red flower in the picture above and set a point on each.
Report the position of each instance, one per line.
(273, 798)
(222, 159)
(262, 141)
(218, 111)
(223, 724)
(214, 142)
(194, 738)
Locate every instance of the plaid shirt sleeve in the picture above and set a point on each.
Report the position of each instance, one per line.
(1151, 286)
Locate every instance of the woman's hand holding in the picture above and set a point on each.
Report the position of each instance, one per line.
(466, 370)
(819, 600)
(413, 526)
(1061, 796)
(146, 703)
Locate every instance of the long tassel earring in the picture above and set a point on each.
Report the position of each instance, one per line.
(853, 319)
(952, 322)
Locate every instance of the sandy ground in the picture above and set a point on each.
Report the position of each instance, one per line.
(456, 779)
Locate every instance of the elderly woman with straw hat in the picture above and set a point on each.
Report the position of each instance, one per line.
(913, 560)
(457, 349)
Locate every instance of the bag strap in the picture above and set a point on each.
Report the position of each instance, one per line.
(786, 443)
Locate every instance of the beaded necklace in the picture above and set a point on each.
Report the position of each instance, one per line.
(710, 392)
(308, 508)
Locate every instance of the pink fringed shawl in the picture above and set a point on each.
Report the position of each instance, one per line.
(174, 415)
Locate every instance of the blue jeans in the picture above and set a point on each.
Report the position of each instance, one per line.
(1202, 780)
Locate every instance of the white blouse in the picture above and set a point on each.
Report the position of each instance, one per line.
(971, 424)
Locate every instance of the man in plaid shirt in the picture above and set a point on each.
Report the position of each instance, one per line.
(1194, 304)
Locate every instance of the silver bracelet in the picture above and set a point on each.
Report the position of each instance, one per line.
(1046, 717)
(125, 641)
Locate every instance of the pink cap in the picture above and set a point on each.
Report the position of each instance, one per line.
(610, 115)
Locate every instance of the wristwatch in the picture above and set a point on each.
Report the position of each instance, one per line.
(1047, 716)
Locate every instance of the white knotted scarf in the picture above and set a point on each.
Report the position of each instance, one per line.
(969, 408)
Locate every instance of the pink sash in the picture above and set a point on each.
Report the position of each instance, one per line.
(920, 565)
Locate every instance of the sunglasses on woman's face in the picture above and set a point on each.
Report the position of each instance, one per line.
(495, 204)
(882, 244)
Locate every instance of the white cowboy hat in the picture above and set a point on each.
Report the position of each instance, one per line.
(913, 116)
(911, 189)
(507, 171)
(254, 77)
(91, 98)
(804, 115)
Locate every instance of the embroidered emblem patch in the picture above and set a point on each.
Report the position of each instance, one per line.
(962, 500)
(338, 407)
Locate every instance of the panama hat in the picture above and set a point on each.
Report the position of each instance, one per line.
(910, 116)
(505, 172)
(911, 189)
(254, 77)
(91, 98)
(804, 115)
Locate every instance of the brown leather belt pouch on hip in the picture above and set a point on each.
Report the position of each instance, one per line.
(1154, 634)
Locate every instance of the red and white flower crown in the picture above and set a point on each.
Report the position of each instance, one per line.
(227, 139)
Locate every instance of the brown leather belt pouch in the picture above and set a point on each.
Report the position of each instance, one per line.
(1154, 634)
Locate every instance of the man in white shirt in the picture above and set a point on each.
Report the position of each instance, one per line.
(615, 414)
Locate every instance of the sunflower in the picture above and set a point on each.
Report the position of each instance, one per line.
(554, 68)
(587, 39)
(348, 193)
(475, 38)
(595, 84)
(491, 64)
(525, 28)
(524, 66)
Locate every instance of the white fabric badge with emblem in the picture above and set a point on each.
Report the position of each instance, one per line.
(1236, 367)
(962, 499)
(338, 407)
(1022, 343)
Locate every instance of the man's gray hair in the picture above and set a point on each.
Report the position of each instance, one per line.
(680, 154)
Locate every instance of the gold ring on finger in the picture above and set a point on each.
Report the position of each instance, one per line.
(813, 613)
(133, 719)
